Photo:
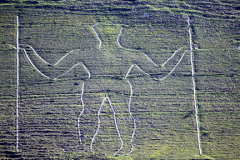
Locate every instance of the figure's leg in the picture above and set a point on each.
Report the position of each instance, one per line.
(107, 99)
(134, 120)
(106, 123)
(78, 123)
(88, 118)
(99, 122)
(125, 124)
(116, 125)
(83, 108)
(125, 121)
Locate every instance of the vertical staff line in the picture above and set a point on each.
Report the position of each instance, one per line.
(194, 88)
(17, 114)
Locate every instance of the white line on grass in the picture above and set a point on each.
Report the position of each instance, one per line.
(35, 53)
(174, 67)
(149, 75)
(129, 105)
(146, 74)
(17, 41)
(119, 43)
(99, 123)
(144, 53)
(194, 90)
(74, 67)
(52, 64)
(34, 65)
(89, 75)
(150, 59)
(172, 55)
(17, 101)
(97, 36)
(79, 131)
(46, 61)
(134, 121)
(115, 120)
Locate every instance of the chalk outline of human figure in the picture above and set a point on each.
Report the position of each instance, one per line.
(106, 97)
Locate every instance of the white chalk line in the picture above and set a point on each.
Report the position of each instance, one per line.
(120, 32)
(61, 76)
(129, 106)
(34, 65)
(172, 55)
(99, 123)
(134, 121)
(115, 120)
(150, 59)
(97, 36)
(74, 67)
(106, 98)
(119, 43)
(45, 60)
(17, 102)
(79, 130)
(36, 53)
(54, 79)
(100, 42)
(147, 75)
(194, 90)
(89, 75)
(144, 53)
(109, 99)
(174, 67)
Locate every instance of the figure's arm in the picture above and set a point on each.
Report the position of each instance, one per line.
(69, 60)
(34, 65)
(146, 65)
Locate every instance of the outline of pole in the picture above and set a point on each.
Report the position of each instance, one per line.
(194, 86)
(17, 104)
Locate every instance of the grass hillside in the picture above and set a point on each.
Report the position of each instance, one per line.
(164, 110)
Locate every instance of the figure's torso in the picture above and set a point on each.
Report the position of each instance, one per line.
(108, 63)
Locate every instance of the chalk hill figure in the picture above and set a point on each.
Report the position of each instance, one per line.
(102, 66)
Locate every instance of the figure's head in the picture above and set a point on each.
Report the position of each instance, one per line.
(108, 34)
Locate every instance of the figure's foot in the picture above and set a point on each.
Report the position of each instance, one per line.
(125, 150)
(130, 151)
